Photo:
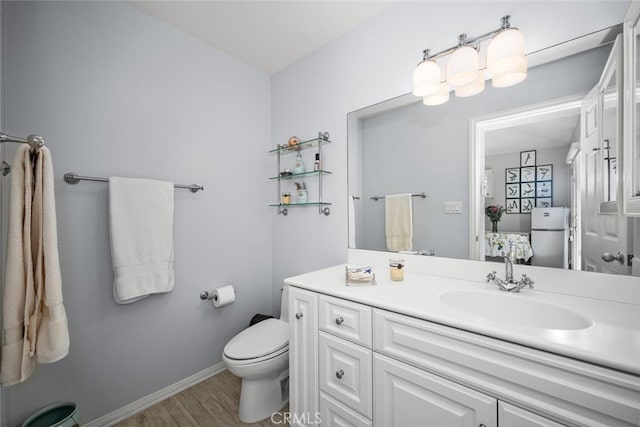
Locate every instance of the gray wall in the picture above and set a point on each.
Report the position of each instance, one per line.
(117, 92)
(555, 156)
(415, 149)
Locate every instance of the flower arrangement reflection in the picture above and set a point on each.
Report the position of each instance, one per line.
(495, 214)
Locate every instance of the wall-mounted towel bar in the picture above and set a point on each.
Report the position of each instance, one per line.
(74, 178)
(376, 198)
(35, 141)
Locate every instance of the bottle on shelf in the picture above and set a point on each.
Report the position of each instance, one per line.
(316, 164)
(298, 166)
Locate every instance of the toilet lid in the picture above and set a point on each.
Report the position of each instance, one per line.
(259, 340)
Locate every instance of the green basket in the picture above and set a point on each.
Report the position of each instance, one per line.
(64, 414)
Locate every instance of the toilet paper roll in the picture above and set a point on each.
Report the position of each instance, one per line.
(223, 296)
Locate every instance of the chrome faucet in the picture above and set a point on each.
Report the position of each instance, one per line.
(508, 264)
(508, 284)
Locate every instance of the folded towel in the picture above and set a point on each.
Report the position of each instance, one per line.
(398, 216)
(34, 320)
(141, 226)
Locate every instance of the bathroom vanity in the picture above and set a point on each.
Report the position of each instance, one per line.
(441, 351)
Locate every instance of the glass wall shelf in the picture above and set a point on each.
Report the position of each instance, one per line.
(284, 149)
(302, 175)
(284, 182)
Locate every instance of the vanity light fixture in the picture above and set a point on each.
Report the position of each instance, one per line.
(506, 62)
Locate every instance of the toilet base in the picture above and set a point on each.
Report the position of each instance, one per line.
(260, 398)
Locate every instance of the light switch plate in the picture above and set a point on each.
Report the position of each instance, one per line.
(452, 207)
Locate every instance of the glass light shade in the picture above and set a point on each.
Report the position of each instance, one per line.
(473, 88)
(426, 78)
(505, 51)
(512, 77)
(462, 67)
(439, 97)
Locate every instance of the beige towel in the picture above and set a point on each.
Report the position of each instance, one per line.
(141, 229)
(33, 315)
(398, 216)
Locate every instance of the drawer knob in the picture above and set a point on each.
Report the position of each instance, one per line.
(339, 374)
(482, 425)
(339, 320)
(299, 315)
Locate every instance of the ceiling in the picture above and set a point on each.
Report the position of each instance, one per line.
(270, 35)
(546, 133)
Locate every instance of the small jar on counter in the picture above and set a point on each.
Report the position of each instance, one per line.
(396, 269)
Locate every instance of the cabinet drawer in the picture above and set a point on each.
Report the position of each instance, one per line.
(512, 416)
(345, 373)
(335, 414)
(346, 319)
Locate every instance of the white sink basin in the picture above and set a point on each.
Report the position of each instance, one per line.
(515, 308)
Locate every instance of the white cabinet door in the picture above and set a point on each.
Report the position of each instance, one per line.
(407, 396)
(303, 355)
(512, 416)
(345, 373)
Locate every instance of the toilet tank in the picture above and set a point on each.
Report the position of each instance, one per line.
(284, 303)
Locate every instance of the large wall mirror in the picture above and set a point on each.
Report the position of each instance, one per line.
(523, 148)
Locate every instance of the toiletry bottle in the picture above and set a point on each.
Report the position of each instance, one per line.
(298, 166)
(316, 164)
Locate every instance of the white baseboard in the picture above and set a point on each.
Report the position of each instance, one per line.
(155, 397)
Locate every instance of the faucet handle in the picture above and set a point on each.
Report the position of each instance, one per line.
(527, 281)
(491, 276)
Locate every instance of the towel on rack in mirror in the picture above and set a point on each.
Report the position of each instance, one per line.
(34, 320)
(141, 234)
(398, 217)
(352, 222)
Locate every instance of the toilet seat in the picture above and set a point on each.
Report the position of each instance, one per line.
(261, 341)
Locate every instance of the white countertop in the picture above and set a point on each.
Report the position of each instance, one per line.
(612, 340)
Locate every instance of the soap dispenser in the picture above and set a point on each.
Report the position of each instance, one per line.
(298, 166)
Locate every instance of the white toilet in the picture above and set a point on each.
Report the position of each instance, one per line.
(260, 356)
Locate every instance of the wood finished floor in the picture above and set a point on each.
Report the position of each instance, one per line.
(211, 403)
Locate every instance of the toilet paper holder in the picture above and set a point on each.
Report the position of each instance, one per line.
(206, 295)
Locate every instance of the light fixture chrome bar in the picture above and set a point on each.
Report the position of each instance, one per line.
(35, 141)
(376, 198)
(464, 40)
(73, 178)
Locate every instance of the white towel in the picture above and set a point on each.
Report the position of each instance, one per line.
(352, 223)
(34, 319)
(398, 216)
(141, 225)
